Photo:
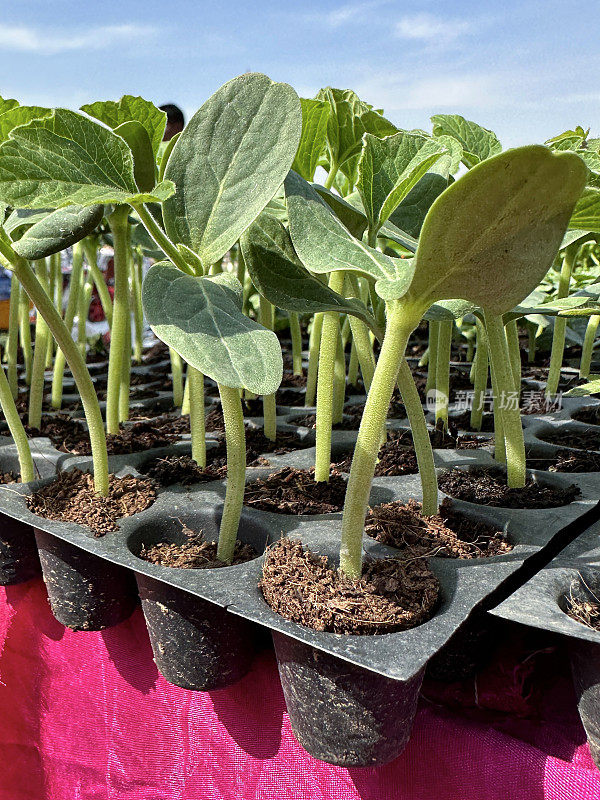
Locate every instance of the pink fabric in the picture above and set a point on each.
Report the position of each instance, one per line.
(85, 716)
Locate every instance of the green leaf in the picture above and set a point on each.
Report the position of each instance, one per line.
(229, 161)
(201, 319)
(20, 115)
(7, 104)
(66, 159)
(324, 244)
(493, 234)
(586, 389)
(58, 230)
(312, 140)
(349, 120)
(278, 274)
(410, 214)
(572, 236)
(478, 143)
(128, 109)
(552, 308)
(22, 218)
(447, 310)
(389, 168)
(144, 168)
(586, 215)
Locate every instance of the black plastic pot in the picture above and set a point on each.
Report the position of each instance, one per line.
(19, 560)
(86, 593)
(196, 644)
(344, 714)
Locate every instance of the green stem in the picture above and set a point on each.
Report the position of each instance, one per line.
(269, 405)
(118, 337)
(25, 335)
(325, 381)
(185, 403)
(176, 377)
(36, 391)
(296, 335)
(424, 361)
(512, 337)
(510, 416)
(480, 377)
(138, 312)
(442, 372)
(12, 344)
(560, 323)
(76, 364)
(70, 311)
(95, 273)
(531, 342)
(125, 382)
(422, 442)
(195, 380)
(235, 438)
(333, 171)
(162, 240)
(369, 438)
(360, 337)
(353, 366)
(314, 346)
(434, 331)
(588, 346)
(17, 431)
(339, 382)
(86, 287)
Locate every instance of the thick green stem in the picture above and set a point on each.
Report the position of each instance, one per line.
(531, 342)
(588, 346)
(36, 390)
(360, 337)
(25, 335)
(509, 412)
(118, 336)
(162, 240)
(17, 431)
(422, 442)
(434, 331)
(267, 319)
(480, 377)
(12, 344)
(197, 424)
(185, 403)
(125, 382)
(136, 303)
(86, 287)
(333, 170)
(512, 338)
(369, 437)
(353, 366)
(176, 377)
(325, 383)
(76, 364)
(70, 311)
(235, 438)
(442, 372)
(314, 346)
(296, 335)
(560, 323)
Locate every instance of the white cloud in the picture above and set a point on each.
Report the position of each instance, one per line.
(50, 42)
(427, 28)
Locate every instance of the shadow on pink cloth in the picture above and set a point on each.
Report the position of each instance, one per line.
(86, 716)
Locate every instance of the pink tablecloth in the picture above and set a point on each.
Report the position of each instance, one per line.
(85, 716)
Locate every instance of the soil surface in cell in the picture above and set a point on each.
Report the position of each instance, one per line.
(71, 497)
(488, 487)
(393, 594)
(295, 491)
(589, 414)
(194, 553)
(585, 611)
(168, 470)
(582, 440)
(566, 461)
(448, 534)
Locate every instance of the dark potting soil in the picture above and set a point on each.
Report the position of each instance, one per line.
(392, 594)
(71, 497)
(463, 422)
(194, 553)
(158, 352)
(566, 461)
(257, 443)
(582, 440)
(297, 381)
(350, 422)
(589, 414)
(586, 612)
(394, 458)
(294, 491)
(447, 534)
(167, 470)
(445, 440)
(213, 422)
(289, 397)
(487, 486)
(9, 477)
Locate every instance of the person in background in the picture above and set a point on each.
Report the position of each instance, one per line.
(175, 120)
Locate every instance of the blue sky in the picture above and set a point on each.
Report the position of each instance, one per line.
(528, 69)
